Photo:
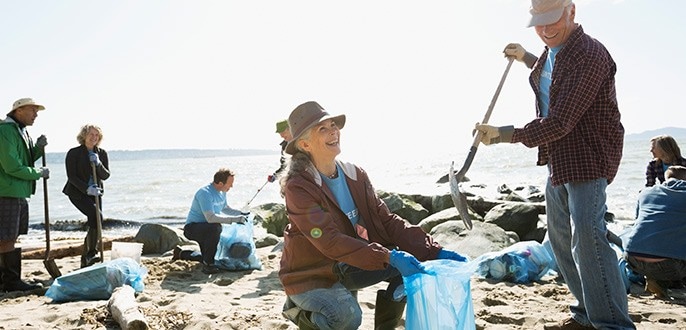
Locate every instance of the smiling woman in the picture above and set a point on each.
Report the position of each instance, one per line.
(341, 236)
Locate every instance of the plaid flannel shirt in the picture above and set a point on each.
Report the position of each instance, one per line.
(582, 137)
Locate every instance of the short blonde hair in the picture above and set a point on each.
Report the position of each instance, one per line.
(81, 137)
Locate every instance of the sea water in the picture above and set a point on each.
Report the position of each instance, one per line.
(158, 185)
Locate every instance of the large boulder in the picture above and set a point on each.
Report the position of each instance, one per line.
(449, 214)
(520, 218)
(272, 216)
(159, 238)
(483, 238)
(406, 208)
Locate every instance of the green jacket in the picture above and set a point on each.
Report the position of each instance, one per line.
(17, 174)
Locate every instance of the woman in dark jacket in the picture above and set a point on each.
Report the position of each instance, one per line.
(666, 153)
(82, 189)
(341, 237)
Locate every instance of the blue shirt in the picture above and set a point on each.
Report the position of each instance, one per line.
(547, 80)
(206, 199)
(660, 227)
(341, 192)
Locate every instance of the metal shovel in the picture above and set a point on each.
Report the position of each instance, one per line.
(459, 198)
(98, 217)
(49, 263)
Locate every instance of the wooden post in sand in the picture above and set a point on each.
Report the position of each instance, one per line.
(124, 310)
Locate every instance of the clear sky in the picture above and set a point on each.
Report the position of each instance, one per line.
(162, 74)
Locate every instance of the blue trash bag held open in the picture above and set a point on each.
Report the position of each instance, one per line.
(236, 248)
(440, 299)
(97, 282)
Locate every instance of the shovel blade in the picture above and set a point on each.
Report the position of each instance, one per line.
(459, 199)
(52, 268)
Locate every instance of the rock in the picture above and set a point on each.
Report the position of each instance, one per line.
(158, 238)
(428, 223)
(408, 209)
(267, 240)
(483, 238)
(273, 217)
(520, 218)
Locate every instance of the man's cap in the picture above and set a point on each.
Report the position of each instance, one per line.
(282, 126)
(306, 116)
(26, 101)
(544, 12)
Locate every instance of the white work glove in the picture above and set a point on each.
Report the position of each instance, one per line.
(515, 50)
(494, 134)
(45, 172)
(94, 191)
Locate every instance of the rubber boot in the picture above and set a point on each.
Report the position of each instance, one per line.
(304, 322)
(388, 312)
(90, 254)
(10, 271)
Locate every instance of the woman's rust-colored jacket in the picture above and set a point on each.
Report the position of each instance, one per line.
(319, 234)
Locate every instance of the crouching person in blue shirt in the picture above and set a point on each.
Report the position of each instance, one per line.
(655, 246)
(208, 212)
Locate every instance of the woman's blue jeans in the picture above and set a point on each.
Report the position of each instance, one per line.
(589, 265)
(337, 307)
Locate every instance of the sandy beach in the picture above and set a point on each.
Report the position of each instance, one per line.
(178, 295)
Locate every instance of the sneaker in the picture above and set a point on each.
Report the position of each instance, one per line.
(568, 324)
(210, 269)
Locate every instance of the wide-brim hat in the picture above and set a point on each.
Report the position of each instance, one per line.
(306, 116)
(25, 101)
(545, 12)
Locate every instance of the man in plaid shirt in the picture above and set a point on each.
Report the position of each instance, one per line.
(579, 137)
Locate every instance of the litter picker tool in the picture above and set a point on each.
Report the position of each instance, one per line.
(245, 208)
(459, 198)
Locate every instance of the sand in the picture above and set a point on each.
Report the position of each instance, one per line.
(178, 295)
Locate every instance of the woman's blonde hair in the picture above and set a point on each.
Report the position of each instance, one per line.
(669, 146)
(81, 137)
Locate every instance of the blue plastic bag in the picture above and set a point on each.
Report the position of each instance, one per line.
(522, 262)
(441, 298)
(97, 282)
(236, 248)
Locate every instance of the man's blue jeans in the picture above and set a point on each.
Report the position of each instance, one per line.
(337, 307)
(589, 265)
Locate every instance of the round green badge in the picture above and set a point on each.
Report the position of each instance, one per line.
(316, 233)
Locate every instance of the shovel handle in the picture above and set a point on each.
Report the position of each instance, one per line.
(45, 211)
(98, 217)
(487, 116)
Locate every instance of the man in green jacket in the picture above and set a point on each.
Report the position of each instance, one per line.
(18, 178)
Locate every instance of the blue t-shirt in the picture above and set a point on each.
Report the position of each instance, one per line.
(340, 190)
(546, 81)
(206, 199)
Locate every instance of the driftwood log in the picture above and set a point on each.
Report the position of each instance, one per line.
(57, 252)
(124, 310)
